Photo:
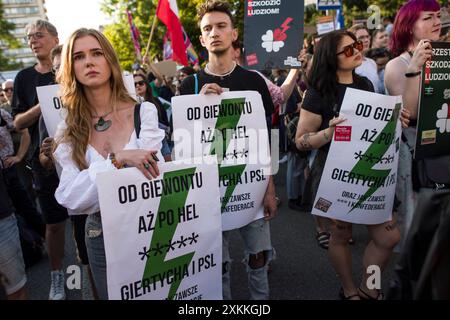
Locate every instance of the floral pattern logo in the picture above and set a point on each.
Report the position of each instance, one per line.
(443, 122)
(273, 40)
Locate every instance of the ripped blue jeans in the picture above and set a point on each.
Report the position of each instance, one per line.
(256, 237)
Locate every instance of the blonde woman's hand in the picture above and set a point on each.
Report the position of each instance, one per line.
(145, 161)
(422, 53)
(47, 147)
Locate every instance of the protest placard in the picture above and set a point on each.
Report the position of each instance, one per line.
(163, 237)
(273, 33)
(325, 24)
(233, 127)
(51, 107)
(329, 4)
(360, 174)
(433, 123)
(166, 68)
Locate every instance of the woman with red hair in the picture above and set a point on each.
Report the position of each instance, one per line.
(418, 24)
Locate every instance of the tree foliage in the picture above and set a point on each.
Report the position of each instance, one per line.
(144, 12)
(7, 40)
(357, 9)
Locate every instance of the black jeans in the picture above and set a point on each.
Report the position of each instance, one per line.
(22, 201)
(45, 184)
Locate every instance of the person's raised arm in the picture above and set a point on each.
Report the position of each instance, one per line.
(289, 84)
(397, 83)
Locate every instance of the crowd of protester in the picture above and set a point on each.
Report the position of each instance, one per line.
(303, 104)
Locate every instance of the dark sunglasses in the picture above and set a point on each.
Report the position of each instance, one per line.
(349, 50)
(139, 83)
(8, 90)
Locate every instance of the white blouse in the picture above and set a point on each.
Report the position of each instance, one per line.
(77, 190)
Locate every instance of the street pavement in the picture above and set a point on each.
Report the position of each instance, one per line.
(301, 270)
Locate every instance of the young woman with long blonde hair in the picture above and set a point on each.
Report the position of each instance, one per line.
(99, 134)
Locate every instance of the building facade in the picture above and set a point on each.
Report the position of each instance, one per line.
(22, 12)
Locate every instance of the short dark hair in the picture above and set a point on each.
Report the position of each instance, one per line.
(214, 5)
(237, 44)
(187, 70)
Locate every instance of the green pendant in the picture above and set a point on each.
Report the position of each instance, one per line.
(102, 125)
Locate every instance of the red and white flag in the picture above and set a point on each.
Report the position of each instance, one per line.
(167, 12)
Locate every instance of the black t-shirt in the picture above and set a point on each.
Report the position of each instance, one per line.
(239, 80)
(314, 102)
(293, 101)
(25, 97)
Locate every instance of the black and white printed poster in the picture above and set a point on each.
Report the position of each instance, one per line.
(273, 35)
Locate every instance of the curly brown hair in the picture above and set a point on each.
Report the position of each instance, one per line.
(214, 5)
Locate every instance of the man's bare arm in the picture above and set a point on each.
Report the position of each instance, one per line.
(27, 119)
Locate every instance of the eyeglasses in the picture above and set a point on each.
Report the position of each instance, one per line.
(8, 90)
(37, 35)
(139, 83)
(349, 50)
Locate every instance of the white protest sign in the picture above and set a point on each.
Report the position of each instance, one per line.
(360, 175)
(325, 24)
(326, 27)
(128, 80)
(233, 127)
(51, 107)
(162, 237)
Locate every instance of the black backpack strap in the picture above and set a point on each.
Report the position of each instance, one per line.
(137, 119)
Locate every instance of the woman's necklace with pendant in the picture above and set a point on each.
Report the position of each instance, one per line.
(102, 124)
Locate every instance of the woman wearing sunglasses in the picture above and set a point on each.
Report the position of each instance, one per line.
(337, 56)
(144, 91)
(416, 25)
